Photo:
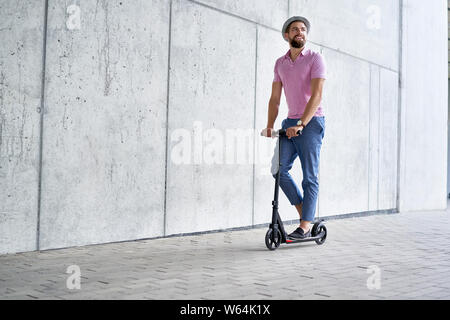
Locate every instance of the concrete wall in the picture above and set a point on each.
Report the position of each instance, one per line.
(139, 98)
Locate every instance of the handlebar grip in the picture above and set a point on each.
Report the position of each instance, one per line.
(282, 132)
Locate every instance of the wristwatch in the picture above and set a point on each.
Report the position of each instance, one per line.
(300, 123)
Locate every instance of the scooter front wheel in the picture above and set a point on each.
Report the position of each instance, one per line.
(317, 229)
(273, 240)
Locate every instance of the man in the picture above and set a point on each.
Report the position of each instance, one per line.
(302, 73)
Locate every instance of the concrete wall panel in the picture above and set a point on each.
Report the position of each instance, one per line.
(366, 29)
(345, 152)
(383, 145)
(374, 138)
(388, 140)
(424, 99)
(104, 128)
(21, 31)
(271, 13)
(211, 81)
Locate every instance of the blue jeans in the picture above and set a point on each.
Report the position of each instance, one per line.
(307, 147)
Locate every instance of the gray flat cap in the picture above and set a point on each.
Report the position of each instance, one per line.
(292, 19)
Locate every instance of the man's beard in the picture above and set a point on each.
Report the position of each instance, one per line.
(297, 44)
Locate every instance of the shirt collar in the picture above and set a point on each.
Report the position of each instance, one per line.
(304, 52)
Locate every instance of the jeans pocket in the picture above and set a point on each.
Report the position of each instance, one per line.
(322, 124)
(318, 125)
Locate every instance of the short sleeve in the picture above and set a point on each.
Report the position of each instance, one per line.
(276, 75)
(318, 68)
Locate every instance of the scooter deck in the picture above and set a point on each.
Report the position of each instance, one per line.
(317, 237)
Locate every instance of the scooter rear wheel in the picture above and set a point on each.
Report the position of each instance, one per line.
(273, 241)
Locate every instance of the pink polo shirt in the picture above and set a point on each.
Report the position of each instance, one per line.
(296, 79)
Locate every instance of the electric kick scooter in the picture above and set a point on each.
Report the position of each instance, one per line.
(276, 233)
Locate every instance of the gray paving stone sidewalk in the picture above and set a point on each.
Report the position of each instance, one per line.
(393, 256)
